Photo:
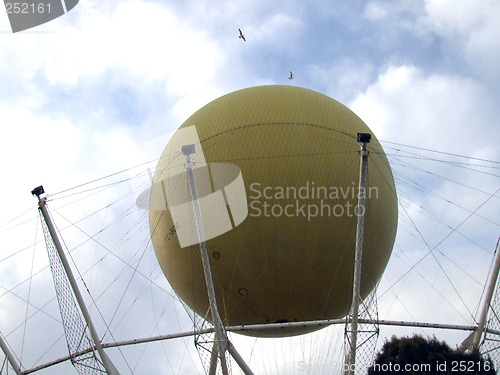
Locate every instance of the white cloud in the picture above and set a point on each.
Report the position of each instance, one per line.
(144, 41)
(464, 31)
(471, 28)
(141, 46)
(382, 11)
(406, 105)
(279, 27)
(449, 17)
(394, 17)
(342, 81)
(376, 11)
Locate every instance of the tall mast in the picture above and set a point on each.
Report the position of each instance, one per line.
(363, 138)
(222, 343)
(487, 300)
(10, 357)
(42, 206)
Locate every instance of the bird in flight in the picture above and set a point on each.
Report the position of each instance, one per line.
(291, 76)
(241, 35)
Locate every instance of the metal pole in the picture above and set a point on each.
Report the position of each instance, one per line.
(212, 370)
(221, 339)
(258, 327)
(108, 365)
(358, 255)
(239, 360)
(10, 357)
(220, 335)
(487, 300)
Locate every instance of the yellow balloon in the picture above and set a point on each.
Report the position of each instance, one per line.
(277, 174)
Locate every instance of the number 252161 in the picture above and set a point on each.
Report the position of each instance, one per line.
(27, 8)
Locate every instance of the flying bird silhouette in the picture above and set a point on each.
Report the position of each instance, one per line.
(241, 35)
(291, 76)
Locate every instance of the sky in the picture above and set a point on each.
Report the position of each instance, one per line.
(88, 100)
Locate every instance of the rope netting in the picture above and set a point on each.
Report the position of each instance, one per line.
(367, 335)
(75, 330)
